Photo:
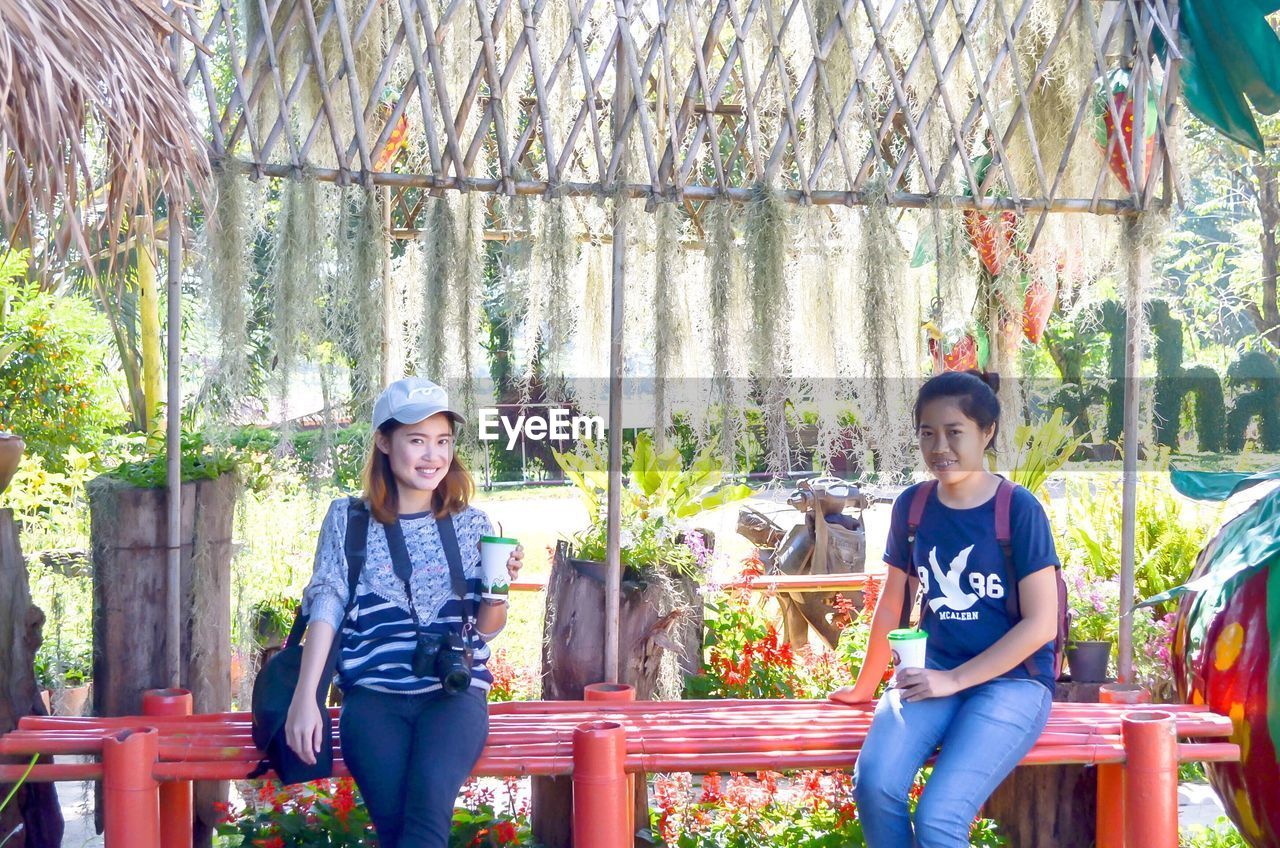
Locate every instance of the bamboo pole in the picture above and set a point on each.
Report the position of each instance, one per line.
(173, 450)
(388, 293)
(736, 194)
(148, 318)
(1134, 286)
(613, 547)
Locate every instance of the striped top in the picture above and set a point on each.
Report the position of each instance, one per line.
(379, 635)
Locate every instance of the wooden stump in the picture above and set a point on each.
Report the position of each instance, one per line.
(36, 804)
(128, 532)
(1050, 806)
(653, 619)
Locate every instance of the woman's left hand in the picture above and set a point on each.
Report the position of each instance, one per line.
(515, 562)
(916, 684)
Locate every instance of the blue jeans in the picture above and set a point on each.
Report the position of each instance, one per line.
(410, 754)
(983, 732)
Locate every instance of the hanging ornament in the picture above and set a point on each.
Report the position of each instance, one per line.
(1037, 307)
(1114, 89)
(399, 136)
(961, 349)
(994, 235)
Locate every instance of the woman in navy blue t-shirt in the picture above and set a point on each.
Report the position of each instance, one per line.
(984, 696)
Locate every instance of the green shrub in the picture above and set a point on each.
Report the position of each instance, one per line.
(55, 387)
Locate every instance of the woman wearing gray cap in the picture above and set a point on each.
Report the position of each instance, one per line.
(415, 631)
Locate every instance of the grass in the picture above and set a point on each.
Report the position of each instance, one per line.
(1223, 834)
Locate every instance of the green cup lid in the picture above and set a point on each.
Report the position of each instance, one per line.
(900, 635)
(499, 540)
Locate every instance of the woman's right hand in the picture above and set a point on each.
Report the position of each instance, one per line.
(850, 696)
(304, 729)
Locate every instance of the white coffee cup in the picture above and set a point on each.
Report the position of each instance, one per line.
(908, 648)
(494, 553)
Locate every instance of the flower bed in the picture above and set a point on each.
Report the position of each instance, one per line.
(811, 809)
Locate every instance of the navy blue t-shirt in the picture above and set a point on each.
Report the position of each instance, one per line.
(962, 570)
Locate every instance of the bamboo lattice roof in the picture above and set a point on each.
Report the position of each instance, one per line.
(828, 101)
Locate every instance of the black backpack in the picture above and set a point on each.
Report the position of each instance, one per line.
(273, 689)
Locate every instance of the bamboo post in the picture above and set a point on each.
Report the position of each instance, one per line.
(613, 548)
(175, 795)
(388, 292)
(1134, 287)
(173, 450)
(600, 798)
(148, 318)
(1151, 779)
(130, 793)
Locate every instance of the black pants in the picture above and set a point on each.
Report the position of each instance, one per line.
(410, 754)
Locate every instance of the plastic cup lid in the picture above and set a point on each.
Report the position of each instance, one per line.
(499, 540)
(907, 634)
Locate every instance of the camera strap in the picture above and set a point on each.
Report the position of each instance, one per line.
(404, 567)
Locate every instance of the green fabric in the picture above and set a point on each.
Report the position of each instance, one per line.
(1232, 59)
(1216, 485)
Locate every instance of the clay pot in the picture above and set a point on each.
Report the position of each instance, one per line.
(11, 448)
(70, 701)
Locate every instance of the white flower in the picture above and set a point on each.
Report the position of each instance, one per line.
(626, 538)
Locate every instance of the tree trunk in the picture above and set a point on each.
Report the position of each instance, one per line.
(36, 804)
(652, 621)
(1266, 319)
(128, 532)
(1050, 806)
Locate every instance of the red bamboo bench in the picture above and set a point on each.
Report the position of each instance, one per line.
(600, 742)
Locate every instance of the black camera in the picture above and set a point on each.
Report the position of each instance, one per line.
(444, 657)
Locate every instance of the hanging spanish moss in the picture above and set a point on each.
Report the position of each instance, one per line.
(295, 315)
(766, 234)
(362, 328)
(555, 252)
(438, 242)
(884, 401)
(469, 286)
(230, 232)
(815, 327)
(725, 296)
(525, 304)
(669, 340)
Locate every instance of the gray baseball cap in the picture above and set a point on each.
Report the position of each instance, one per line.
(411, 400)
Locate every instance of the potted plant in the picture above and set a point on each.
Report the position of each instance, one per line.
(128, 531)
(272, 617)
(1095, 609)
(44, 680)
(71, 683)
(662, 563)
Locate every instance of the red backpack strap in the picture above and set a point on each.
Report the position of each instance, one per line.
(1004, 536)
(918, 500)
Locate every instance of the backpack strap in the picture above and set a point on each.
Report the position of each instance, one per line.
(355, 545)
(916, 512)
(1004, 535)
(449, 541)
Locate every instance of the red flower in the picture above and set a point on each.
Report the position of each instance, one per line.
(505, 833)
(225, 814)
(711, 789)
(344, 799)
(271, 842)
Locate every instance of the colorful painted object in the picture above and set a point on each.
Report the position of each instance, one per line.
(994, 237)
(1036, 308)
(961, 350)
(395, 143)
(1226, 653)
(1115, 87)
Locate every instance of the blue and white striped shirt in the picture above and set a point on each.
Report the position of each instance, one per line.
(379, 635)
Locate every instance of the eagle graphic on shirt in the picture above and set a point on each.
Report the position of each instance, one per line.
(953, 595)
